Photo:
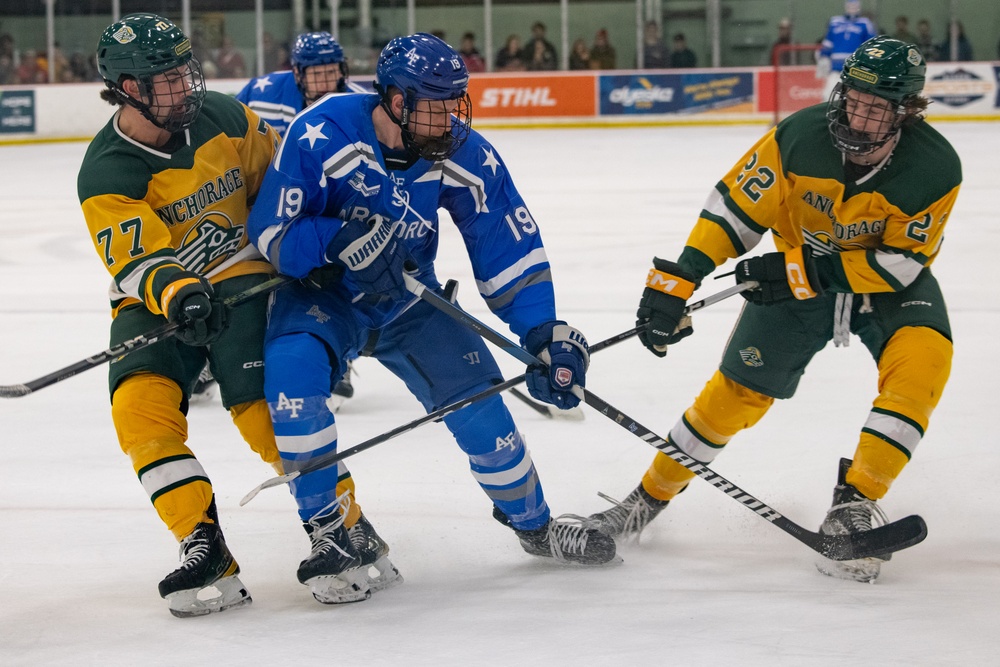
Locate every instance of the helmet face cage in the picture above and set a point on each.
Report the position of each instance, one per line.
(427, 72)
(887, 72)
(155, 53)
(312, 50)
(861, 128)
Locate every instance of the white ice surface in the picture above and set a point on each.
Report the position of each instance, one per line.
(81, 550)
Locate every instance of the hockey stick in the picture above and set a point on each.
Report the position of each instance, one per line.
(334, 457)
(891, 537)
(137, 343)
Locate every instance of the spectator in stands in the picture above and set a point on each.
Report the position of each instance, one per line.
(8, 60)
(654, 51)
(964, 51)
(230, 61)
(539, 53)
(602, 54)
(784, 38)
(903, 33)
(509, 57)
(925, 41)
(579, 56)
(32, 69)
(439, 33)
(681, 55)
(275, 55)
(470, 54)
(83, 68)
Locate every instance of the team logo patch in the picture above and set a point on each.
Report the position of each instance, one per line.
(564, 377)
(862, 75)
(183, 47)
(751, 357)
(320, 316)
(125, 35)
(913, 57)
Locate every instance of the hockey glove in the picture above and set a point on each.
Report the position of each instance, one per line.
(661, 309)
(567, 354)
(781, 275)
(374, 257)
(190, 302)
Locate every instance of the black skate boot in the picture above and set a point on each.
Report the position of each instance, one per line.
(374, 553)
(206, 563)
(628, 518)
(852, 512)
(205, 387)
(333, 571)
(568, 539)
(343, 390)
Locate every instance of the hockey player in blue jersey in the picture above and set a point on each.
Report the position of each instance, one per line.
(355, 190)
(844, 34)
(318, 68)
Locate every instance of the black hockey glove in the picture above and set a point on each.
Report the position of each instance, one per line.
(661, 309)
(567, 354)
(782, 275)
(191, 304)
(374, 258)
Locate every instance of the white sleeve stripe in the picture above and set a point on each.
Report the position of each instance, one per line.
(716, 205)
(130, 285)
(902, 268)
(489, 287)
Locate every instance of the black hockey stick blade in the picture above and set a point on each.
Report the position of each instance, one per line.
(137, 343)
(880, 541)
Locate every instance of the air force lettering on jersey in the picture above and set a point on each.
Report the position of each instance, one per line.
(341, 179)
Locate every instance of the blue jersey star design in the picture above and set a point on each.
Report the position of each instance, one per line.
(313, 133)
(491, 160)
(262, 83)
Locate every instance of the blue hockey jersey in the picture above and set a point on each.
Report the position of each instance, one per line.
(277, 99)
(844, 35)
(329, 169)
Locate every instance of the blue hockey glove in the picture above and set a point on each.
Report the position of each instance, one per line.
(374, 257)
(661, 309)
(189, 301)
(567, 354)
(781, 275)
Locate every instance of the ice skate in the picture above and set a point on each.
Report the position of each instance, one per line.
(333, 571)
(570, 539)
(205, 388)
(629, 517)
(374, 553)
(852, 512)
(206, 581)
(343, 389)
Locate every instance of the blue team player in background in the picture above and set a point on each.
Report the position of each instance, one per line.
(318, 68)
(844, 34)
(355, 189)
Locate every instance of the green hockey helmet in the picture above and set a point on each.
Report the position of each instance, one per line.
(889, 68)
(142, 45)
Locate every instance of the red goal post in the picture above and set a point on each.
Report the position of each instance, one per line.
(795, 83)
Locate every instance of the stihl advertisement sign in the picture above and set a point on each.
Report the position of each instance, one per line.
(521, 96)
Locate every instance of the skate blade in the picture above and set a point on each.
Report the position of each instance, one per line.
(226, 593)
(382, 574)
(344, 588)
(864, 570)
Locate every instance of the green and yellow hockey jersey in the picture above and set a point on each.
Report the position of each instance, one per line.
(152, 213)
(875, 234)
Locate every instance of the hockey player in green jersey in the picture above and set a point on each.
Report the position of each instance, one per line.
(166, 187)
(856, 194)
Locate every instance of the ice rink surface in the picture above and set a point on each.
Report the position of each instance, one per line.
(81, 550)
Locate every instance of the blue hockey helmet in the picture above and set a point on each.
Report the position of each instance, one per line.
(314, 49)
(424, 67)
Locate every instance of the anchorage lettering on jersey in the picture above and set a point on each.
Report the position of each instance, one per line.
(841, 231)
(209, 193)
